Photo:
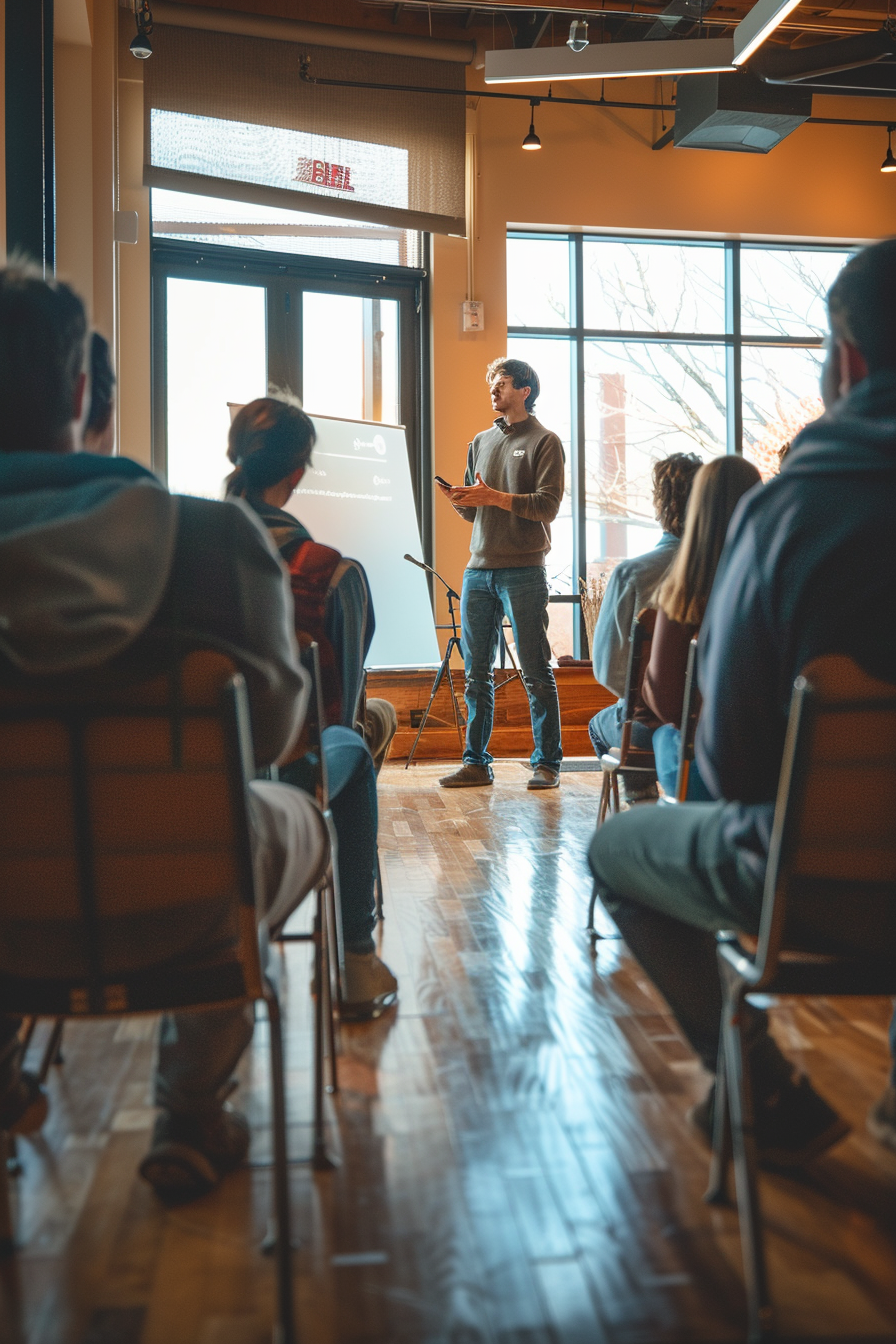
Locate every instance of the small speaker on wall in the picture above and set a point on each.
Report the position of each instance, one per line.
(736, 112)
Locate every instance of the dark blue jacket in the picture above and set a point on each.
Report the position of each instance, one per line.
(809, 568)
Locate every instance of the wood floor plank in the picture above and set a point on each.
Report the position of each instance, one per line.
(517, 1164)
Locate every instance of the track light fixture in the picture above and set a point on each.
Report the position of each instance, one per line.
(578, 35)
(141, 47)
(889, 163)
(532, 141)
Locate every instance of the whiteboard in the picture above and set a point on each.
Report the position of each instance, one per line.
(357, 496)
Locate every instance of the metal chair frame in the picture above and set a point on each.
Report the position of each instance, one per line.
(782, 964)
(95, 995)
(329, 958)
(625, 756)
(690, 713)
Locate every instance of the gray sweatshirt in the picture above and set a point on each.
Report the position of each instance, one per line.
(524, 460)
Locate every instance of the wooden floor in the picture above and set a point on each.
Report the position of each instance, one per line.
(516, 1164)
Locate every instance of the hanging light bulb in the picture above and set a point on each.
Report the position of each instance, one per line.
(578, 35)
(532, 141)
(889, 163)
(140, 46)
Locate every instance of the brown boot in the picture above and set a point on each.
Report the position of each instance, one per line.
(468, 776)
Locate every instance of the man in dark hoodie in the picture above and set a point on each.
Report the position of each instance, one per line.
(807, 570)
(100, 565)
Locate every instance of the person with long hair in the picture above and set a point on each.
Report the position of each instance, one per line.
(270, 445)
(632, 586)
(681, 602)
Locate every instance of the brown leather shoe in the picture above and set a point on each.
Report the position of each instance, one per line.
(468, 777)
(543, 777)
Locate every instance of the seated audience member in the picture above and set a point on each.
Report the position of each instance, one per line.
(632, 586)
(270, 446)
(807, 570)
(100, 566)
(681, 604)
(99, 429)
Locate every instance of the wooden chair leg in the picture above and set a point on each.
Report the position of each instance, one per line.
(7, 1234)
(604, 798)
(615, 786)
(743, 1140)
(285, 1332)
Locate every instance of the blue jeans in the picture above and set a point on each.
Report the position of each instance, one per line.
(351, 779)
(522, 595)
(605, 731)
(667, 752)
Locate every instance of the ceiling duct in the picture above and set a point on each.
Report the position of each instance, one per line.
(786, 65)
(736, 112)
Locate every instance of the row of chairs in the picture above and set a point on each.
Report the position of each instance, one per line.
(127, 871)
(828, 916)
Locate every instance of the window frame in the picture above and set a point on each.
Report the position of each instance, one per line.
(577, 335)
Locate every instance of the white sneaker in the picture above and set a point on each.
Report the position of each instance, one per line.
(370, 987)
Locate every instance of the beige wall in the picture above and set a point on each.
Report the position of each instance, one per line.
(134, 363)
(597, 170)
(73, 77)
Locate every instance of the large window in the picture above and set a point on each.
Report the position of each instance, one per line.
(646, 348)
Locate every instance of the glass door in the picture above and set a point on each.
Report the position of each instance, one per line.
(348, 341)
(216, 355)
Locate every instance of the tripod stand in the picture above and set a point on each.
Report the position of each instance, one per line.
(444, 666)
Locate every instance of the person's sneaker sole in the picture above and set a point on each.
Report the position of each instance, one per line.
(370, 1010)
(177, 1171)
(450, 783)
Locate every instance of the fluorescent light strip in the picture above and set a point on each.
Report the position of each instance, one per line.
(756, 26)
(610, 60)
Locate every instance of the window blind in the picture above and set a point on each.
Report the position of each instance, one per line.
(229, 116)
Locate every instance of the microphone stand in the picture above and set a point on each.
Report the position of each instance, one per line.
(445, 665)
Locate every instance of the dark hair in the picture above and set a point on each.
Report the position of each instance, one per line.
(672, 480)
(102, 382)
(863, 299)
(520, 374)
(269, 439)
(42, 331)
(716, 490)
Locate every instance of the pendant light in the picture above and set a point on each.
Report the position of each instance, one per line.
(532, 141)
(889, 163)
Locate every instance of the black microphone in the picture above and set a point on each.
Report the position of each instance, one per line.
(429, 569)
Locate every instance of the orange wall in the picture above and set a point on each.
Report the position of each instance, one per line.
(597, 170)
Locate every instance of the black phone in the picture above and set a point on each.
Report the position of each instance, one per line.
(441, 480)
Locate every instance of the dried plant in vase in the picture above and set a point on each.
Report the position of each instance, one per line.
(592, 595)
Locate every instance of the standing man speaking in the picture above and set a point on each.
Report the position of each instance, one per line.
(513, 485)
